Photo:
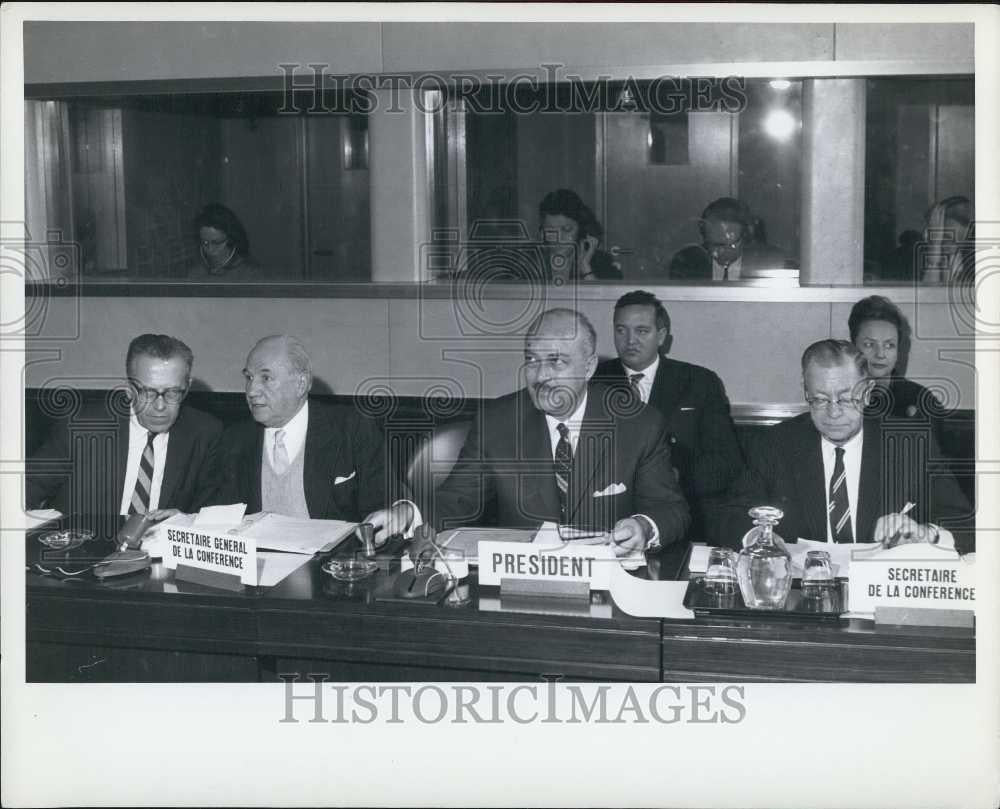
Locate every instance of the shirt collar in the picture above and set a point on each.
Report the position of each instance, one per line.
(296, 425)
(135, 428)
(573, 420)
(850, 445)
(648, 372)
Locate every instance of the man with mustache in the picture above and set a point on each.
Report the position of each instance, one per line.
(567, 450)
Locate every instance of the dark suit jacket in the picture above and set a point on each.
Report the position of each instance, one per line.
(506, 467)
(339, 442)
(693, 403)
(694, 262)
(80, 469)
(898, 464)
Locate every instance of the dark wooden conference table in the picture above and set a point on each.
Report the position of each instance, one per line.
(148, 627)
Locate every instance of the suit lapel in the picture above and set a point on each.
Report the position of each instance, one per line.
(870, 505)
(537, 450)
(121, 461)
(667, 388)
(595, 445)
(324, 444)
(178, 454)
(810, 482)
(250, 472)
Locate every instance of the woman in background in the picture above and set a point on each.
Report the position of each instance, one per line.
(568, 226)
(882, 333)
(223, 247)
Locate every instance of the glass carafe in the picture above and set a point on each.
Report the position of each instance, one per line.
(764, 567)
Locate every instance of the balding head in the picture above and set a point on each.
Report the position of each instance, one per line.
(278, 377)
(560, 356)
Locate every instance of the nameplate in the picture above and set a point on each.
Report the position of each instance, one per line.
(933, 584)
(229, 554)
(512, 560)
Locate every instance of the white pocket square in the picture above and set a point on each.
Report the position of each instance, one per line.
(686, 409)
(337, 481)
(614, 488)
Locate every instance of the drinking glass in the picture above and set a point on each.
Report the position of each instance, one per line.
(720, 576)
(817, 574)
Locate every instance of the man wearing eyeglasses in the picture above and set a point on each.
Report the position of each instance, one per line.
(841, 477)
(731, 245)
(163, 454)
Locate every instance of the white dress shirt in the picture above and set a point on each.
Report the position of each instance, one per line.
(719, 270)
(852, 466)
(645, 384)
(295, 436)
(137, 436)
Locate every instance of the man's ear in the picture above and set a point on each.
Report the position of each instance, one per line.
(592, 365)
(666, 342)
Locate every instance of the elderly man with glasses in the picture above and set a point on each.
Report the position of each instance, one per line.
(841, 476)
(147, 453)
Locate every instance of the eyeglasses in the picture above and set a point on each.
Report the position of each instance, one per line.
(150, 395)
(206, 243)
(842, 402)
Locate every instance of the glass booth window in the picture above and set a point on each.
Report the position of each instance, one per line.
(920, 179)
(227, 187)
(670, 180)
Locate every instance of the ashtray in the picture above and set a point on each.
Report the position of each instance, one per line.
(65, 540)
(350, 569)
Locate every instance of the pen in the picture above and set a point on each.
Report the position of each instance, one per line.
(894, 539)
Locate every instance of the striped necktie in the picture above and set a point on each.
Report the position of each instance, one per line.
(563, 466)
(144, 479)
(840, 507)
(633, 381)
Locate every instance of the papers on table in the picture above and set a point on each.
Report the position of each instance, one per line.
(276, 532)
(220, 518)
(464, 542)
(273, 566)
(154, 541)
(272, 532)
(648, 599)
(548, 534)
(32, 519)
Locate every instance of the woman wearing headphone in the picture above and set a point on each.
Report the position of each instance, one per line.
(569, 229)
(223, 247)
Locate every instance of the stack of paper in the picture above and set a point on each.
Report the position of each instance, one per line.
(294, 535)
(32, 519)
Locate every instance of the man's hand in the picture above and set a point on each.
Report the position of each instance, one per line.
(629, 535)
(898, 529)
(390, 521)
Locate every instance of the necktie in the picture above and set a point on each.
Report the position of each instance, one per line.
(279, 460)
(633, 381)
(143, 480)
(840, 508)
(563, 466)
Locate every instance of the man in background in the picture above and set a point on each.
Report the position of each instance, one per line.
(692, 400)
